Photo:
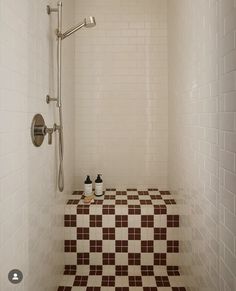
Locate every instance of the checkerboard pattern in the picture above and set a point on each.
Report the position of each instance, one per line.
(126, 240)
(149, 278)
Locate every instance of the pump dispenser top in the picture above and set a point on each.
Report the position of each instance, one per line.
(99, 179)
(88, 180)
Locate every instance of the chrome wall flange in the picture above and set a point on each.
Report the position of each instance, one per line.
(50, 9)
(39, 130)
(49, 99)
(37, 126)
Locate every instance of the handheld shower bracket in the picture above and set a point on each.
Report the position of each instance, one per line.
(50, 9)
(50, 99)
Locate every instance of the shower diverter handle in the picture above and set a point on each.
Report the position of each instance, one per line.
(43, 130)
(49, 131)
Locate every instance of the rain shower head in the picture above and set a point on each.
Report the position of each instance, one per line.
(88, 23)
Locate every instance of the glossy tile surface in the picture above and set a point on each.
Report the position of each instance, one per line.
(121, 94)
(202, 84)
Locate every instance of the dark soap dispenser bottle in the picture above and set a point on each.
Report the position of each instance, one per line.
(88, 188)
(99, 186)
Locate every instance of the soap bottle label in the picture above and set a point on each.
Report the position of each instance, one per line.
(99, 189)
(88, 189)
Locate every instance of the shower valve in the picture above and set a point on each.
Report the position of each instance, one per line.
(39, 130)
(49, 131)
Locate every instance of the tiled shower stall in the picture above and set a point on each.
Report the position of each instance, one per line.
(149, 101)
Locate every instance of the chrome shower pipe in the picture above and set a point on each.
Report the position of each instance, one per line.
(88, 23)
(59, 40)
(72, 30)
(59, 104)
(58, 99)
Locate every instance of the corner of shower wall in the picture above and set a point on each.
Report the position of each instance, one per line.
(227, 125)
(194, 136)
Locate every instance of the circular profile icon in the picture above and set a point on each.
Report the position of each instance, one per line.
(15, 276)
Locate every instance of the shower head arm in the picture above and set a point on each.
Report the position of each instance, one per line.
(71, 30)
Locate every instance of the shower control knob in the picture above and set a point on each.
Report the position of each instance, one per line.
(49, 131)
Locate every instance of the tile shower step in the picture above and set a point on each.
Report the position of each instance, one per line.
(122, 278)
(124, 227)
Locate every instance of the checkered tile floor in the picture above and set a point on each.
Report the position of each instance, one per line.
(123, 278)
(126, 240)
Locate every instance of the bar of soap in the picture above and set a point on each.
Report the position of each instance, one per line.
(89, 199)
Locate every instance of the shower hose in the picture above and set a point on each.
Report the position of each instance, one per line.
(61, 154)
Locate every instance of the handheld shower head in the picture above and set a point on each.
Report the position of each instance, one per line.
(88, 23)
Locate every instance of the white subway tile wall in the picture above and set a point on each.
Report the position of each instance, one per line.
(227, 108)
(193, 134)
(202, 139)
(121, 93)
(31, 209)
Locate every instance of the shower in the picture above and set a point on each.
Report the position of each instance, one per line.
(88, 22)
